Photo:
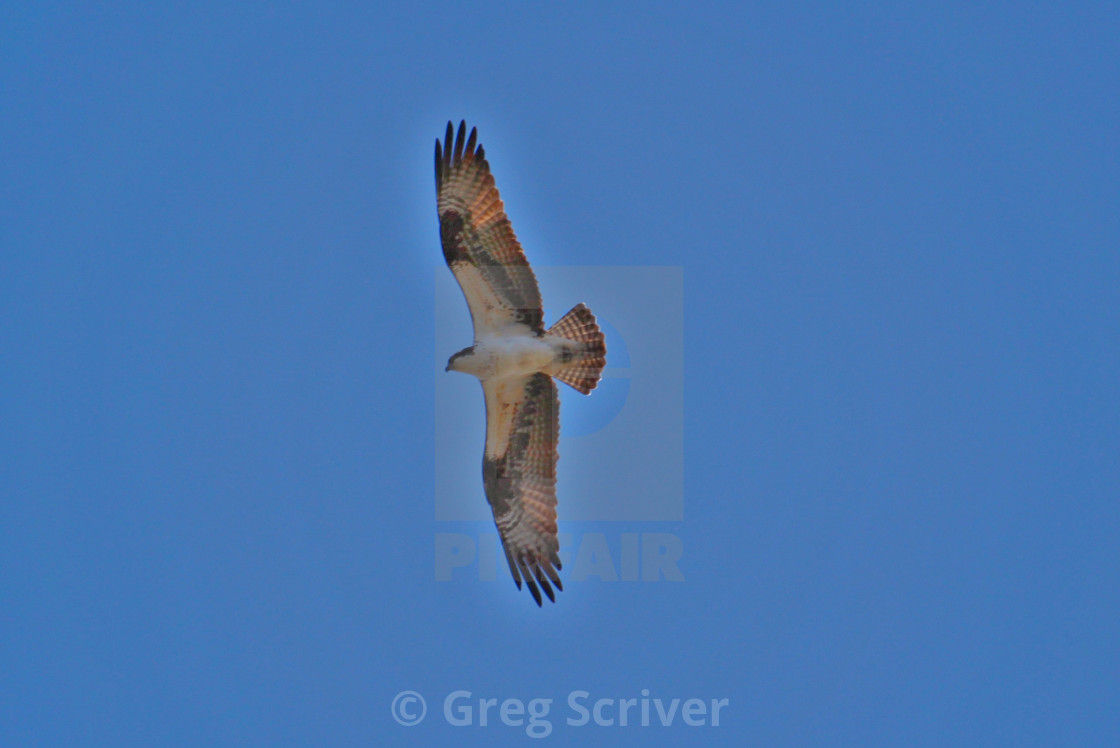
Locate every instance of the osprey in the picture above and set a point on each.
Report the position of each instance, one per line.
(514, 357)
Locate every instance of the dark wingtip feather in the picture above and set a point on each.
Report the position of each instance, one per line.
(513, 570)
(459, 138)
(534, 591)
(538, 576)
(552, 574)
(547, 589)
(471, 141)
(447, 136)
(439, 163)
(526, 572)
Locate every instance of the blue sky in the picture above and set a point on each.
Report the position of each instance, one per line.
(890, 410)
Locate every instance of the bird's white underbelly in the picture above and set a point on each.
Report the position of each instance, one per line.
(514, 355)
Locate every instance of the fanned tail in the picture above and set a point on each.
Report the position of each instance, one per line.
(584, 363)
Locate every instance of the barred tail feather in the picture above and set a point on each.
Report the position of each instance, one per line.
(588, 360)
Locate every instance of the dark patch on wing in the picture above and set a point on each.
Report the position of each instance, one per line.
(498, 483)
(450, 234)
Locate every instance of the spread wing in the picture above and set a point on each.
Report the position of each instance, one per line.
(479, 244)
(519, 473)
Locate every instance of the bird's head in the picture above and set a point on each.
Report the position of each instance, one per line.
(455, 363)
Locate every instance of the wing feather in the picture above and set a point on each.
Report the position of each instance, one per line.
(478, 240)
(519, 474)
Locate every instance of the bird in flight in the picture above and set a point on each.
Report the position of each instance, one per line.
(514, 357)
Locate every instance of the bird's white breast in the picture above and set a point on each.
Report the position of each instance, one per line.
(516, 355)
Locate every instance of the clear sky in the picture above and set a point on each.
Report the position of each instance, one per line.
(860, 268)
